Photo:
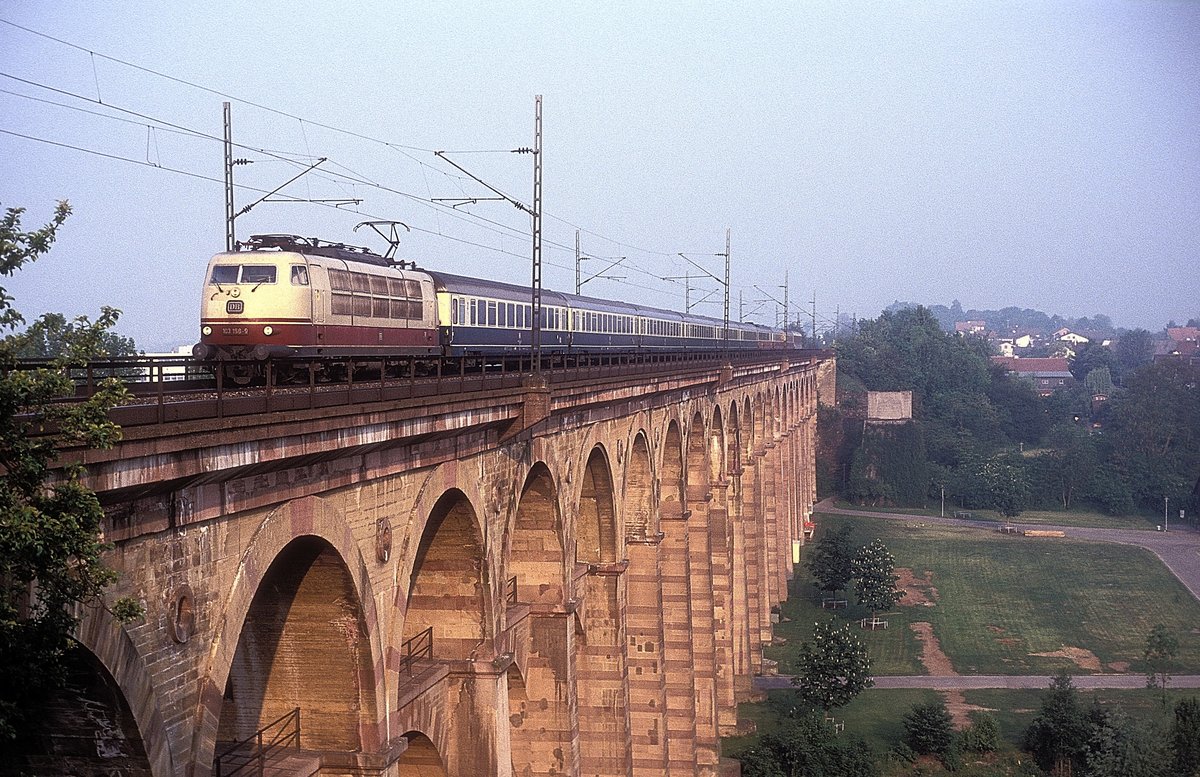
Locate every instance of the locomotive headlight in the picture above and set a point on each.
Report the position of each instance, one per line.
(206, 330)
(268, 330)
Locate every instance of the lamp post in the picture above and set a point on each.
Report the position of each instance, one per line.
(1165, 527)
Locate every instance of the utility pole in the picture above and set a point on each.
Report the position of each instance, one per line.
(536, 343)
(725, 334)
(837, 322)
(577, 284)
(741, 308)
(787, 310)
(230, 238)
(687, 288)
(814, 317)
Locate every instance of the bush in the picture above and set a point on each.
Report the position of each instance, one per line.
(928, 729)
(982, 736)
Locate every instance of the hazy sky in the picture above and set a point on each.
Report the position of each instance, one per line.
(1045, 155)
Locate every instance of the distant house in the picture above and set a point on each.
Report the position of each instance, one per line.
(1022, 341)
(1048, 375)
(1067, 336)
(970, 327)
(1184, 334)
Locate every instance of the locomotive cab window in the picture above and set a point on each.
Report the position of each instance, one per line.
(225, 273)
(258, 273)
(299, 275)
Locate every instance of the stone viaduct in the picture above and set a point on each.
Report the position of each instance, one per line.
(565, 580)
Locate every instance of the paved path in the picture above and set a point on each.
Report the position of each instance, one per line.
(971, 682)
(1179, 549)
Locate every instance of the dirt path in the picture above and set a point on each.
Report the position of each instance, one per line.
(938, 664)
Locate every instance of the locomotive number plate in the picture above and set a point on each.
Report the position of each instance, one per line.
(235, 306)
(235, 330)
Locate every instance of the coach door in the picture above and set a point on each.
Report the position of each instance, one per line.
(319, 284)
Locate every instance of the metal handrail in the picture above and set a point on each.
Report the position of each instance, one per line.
(286, 731)
(510, 590)
(414, 648)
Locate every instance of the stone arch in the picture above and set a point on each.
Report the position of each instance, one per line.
(85, 727)
(307, 517)
(596, 519)
(421, 758)
(109, 642)
(447, 588)
(717, 465)
(535, 541)
(671, 477)
(747, 429)
(641, 520)
(733, 439)
(302, 646)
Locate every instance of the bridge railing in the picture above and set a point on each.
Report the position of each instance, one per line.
(250, 755)
(178, 389)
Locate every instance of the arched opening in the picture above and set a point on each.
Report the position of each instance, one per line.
(639, 493)
(303, 646)
(733, 454)
(86, 727)
(447, 590)
(700, 574)
(644, 619)
(536, 542)
(421, 759)
(539, 715)
(604, 746)
(596, 525)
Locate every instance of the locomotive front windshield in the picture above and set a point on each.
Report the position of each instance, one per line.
(242, 273)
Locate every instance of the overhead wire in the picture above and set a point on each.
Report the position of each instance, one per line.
(399, 147)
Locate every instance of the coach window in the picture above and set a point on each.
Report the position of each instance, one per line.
(299, 275)
(512, 314)
(491, 309)
(501, 318)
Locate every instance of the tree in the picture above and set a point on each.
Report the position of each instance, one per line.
(1117, 747)
(51, 336)
(928, 729)
(50, 551)
(806, 745)
(833, 668)
(829, 560)
(874, 583)
(1007, 484)
(1161, 648)
(1185, 738)
(1133, 349)
(1059, 732)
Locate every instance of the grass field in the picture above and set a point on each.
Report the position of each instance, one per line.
(1001, 599)
(1083, 518)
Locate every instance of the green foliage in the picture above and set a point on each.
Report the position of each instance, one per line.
(889, 467)
(928, 729)
(1155, 433)
(1133, 349)
(829, 560)
(833, 668)
(982, 735)
(806, 745)
(1060, 731)
(1161, 649)
(50, 552)
(1117, 747)
(1185, 738)
(874, 583)
(53, 337)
